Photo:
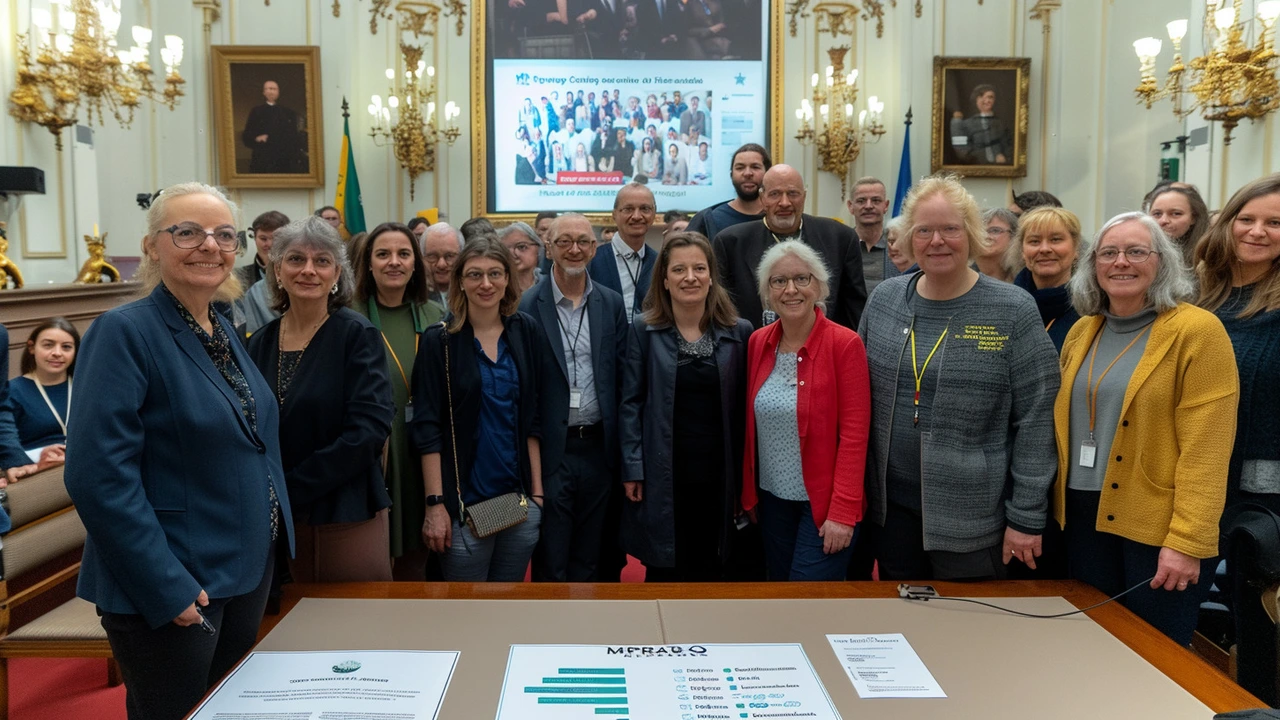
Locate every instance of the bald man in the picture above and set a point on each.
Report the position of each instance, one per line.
(739, 249)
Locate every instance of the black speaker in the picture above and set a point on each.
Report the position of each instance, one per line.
(15, 180)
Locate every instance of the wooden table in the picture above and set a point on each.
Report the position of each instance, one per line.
(1184, 667)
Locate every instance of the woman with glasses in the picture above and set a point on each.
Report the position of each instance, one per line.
(391, 291)
(526, 254)
(176, 472)
(476, 424)
(681, 413)
(1001, 227)
(963, 378)
(808, 415)
(328, 369)
(1044, 252)
(1147, 406)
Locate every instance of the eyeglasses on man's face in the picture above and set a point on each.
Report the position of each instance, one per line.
(566, 243)
(190, 235)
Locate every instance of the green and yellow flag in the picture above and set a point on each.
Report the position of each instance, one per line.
(347, 199)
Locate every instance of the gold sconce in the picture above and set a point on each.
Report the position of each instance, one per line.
(1231, 81)
(71, 59)
(832, 130)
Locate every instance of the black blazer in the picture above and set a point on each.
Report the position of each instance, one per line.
(430, 429)
(608, 323)
(335, 418)
(740, 248)
(603, 269)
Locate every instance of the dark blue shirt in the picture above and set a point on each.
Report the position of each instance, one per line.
(712, 220)
(496, 469)
(37, 427)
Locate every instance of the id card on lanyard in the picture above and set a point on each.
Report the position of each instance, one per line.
(417, 336)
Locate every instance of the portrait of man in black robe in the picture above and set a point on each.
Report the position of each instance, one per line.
(272, 134)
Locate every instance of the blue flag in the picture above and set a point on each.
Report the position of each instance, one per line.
(904, 170)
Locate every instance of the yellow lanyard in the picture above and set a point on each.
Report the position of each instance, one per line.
(1051, 322)
(919, 371)
(397, 359)
(1091, 390)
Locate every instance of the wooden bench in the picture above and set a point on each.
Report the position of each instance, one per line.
(40, 559)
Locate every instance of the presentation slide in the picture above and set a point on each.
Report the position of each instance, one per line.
(653, 91)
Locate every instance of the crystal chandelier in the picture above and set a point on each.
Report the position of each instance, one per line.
(407, 122)
(1231, 81)
(838, 139)
(71, 61)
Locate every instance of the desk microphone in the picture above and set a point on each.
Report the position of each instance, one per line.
(925, 593)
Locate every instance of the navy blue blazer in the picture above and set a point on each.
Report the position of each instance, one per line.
(603, 269)
(608, 324)
(169, 478)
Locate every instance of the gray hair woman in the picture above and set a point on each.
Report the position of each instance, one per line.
(176, 472)
(1001, 226)
(808, 415)
(1146, 406)
(526, 254)
(326, 365)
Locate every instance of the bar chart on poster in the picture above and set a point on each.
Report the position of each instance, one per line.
(684, 682)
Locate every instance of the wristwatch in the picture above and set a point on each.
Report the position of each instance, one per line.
(433, 500)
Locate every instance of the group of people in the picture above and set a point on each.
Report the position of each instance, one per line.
(665, 141)
(767, 394)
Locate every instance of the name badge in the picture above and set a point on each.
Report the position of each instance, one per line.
(575, 398)
(1088, 453)
(408, 412)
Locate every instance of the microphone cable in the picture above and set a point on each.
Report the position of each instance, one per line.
(910, 594)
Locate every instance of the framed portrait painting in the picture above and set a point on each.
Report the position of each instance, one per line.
(266, 109)
(980, 116)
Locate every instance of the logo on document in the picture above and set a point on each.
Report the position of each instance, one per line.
(522, 79)
(349, 666)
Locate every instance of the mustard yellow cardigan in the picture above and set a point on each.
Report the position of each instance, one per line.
(1166, 479)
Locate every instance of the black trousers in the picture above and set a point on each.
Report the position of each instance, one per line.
(901, 554)
(167, 670)
(1114, 564)
(575, 500)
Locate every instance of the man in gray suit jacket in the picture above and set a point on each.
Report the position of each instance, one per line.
(585, 330)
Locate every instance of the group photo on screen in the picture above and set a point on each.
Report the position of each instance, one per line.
(603, 136)
(626, 29)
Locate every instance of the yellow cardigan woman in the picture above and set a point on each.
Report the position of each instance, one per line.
(1144, 422)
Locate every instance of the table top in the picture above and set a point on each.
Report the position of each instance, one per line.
(1199, 678)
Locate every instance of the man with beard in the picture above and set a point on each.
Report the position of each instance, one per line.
(749, 164)
(585, 330)
(740, 248)
(868, 205)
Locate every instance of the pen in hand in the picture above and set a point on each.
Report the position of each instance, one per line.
(205, 625)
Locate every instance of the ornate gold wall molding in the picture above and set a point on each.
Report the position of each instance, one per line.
(1042, 11)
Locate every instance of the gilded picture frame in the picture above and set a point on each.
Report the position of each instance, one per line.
(267, 120)
(481, 77)
(980, 116)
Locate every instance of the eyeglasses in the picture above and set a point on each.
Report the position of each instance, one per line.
(565, 243)
(997, 231)
(475, 277)
(1135, 255)
(779, 282)
(189, 236)
(643, 209)
(522, 247)
(948, 232)
(433, 258)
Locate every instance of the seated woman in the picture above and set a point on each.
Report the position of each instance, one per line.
(681, 418)
(391, 291)
(1146, 408)
(475, 423)
(808, 415)
(963, 378)
(327, 368)
(41, 398)
(676, 170)
(649, 161)
(1046, 247)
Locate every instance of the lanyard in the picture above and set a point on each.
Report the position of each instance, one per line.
(1051, 322)
(1091, 390)
(61, 423)
(573, 344)
(635, 277)
(918, 371)
(776, 239)
(417, 335)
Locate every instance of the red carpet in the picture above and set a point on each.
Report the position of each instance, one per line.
(53, 689)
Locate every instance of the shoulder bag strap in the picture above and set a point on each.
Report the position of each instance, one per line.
(453, 433)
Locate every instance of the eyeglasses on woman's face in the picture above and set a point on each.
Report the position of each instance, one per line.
(779, 282)
(190, 235)
(476, 277)
(1135, 255)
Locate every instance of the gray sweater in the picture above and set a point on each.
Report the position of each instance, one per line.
(987, 457)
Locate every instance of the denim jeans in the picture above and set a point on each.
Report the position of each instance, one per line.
(502, 557)
(792, 548)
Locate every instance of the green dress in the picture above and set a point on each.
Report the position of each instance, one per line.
(404, 466)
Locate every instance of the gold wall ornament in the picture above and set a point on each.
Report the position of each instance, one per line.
(407, 122)
(381, 10)
(458, 9)
(832, 130)
(9, 271)
(96, 269)
(72, 63)
(1232, 81)
(870, 9)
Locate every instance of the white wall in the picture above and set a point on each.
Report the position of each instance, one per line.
(1100, 152)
